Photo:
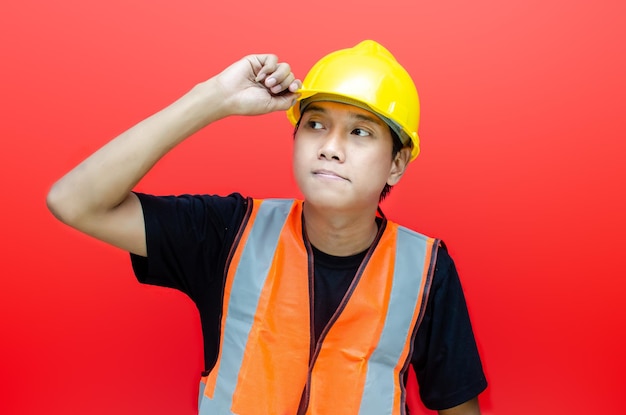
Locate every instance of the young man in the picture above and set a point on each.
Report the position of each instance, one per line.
(307, 307)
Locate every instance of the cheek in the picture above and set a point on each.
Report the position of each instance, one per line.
(297, 145)
(303, 150)
(377, 172)
(298, 160)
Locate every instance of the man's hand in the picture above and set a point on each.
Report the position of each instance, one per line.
(257, 84)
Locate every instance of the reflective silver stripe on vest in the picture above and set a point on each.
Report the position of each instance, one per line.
(256, 260)
(409, 268)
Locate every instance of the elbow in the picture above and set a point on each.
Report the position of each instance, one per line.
(54, 202)
(60, 205)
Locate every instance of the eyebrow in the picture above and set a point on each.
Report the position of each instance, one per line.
(364, 117)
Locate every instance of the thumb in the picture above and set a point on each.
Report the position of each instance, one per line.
(282, 102)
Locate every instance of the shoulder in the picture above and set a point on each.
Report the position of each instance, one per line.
(193, 204)
(435, 249)
(189, 200)
(444, 264)
(446, 289)
(192, 218)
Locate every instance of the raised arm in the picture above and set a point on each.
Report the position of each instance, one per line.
(95, 197)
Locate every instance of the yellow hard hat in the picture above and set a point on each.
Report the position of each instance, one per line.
(366, 75)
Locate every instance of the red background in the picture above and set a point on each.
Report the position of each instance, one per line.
(521, 173)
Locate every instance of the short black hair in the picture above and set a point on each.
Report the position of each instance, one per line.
(397, 145)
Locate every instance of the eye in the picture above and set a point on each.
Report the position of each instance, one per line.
(315, 125)
(361, 132)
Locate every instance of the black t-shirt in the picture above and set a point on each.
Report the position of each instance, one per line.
(189, 237)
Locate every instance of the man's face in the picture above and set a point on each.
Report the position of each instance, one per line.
(343, 156)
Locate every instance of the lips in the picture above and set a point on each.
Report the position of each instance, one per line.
(328, 174)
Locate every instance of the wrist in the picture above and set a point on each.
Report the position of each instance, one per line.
(206, 103)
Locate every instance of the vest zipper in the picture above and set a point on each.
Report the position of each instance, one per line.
(304, 399)
(315, 349)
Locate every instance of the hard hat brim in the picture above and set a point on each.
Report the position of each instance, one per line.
(307, 97)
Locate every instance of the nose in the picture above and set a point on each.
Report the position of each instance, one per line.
(332, 147)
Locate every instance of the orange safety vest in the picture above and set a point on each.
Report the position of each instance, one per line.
(267, 363)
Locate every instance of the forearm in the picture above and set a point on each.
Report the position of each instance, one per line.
(105, 179)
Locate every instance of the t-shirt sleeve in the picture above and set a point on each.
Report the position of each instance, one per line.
(186, 237)
(445, 357)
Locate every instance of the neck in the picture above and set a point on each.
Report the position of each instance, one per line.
(339, 234)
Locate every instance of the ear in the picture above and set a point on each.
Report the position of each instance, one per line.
(399, 165)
